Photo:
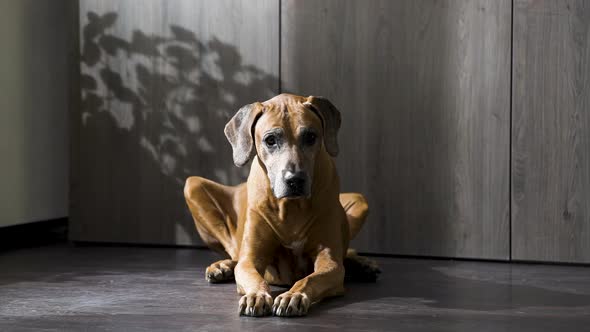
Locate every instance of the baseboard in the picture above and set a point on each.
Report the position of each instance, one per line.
(34, 234)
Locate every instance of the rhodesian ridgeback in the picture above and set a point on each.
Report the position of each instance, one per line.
(288, 225)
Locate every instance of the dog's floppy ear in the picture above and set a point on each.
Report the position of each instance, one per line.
(240, 132)
(331, 120)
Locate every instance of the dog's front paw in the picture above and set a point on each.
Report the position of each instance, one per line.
(255, 304)
(291, 304)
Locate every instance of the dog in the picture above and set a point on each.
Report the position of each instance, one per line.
(288, 225)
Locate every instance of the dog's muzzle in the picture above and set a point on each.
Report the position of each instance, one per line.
(295, 184)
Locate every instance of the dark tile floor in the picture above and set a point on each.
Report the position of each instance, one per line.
(145, 289)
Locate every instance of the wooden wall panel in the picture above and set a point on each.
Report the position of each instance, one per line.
(551, 131)
(159, 80)
(424, 89)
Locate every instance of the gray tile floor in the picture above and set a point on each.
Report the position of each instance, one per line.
(145, 289)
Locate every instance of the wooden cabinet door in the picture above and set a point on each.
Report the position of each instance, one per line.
(424, 91)
(159, 80)
(551, 131)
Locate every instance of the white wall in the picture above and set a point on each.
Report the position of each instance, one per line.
(33, 110)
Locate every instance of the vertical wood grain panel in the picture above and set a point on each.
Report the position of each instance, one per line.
(159, 80)
(551, 131)
(424, 88)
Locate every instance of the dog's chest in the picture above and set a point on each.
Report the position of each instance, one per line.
(297, 252)
(291, 224)
(297, 246)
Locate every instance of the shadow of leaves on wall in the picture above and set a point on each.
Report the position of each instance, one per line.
(153, 108)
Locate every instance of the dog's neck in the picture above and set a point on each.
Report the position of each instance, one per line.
(293, 214)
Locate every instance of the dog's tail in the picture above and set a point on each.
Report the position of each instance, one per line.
(360, 268)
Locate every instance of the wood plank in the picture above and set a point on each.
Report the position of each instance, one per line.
(551, 131)
(424, 89)
(60, 288)
(159, 81)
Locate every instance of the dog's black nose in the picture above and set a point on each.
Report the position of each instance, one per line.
(295, 182)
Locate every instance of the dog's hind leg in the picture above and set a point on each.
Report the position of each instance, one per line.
(358, 268)
(221, 271)
(216, 219)
(357, 209)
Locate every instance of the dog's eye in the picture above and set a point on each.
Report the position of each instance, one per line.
(270, 141)
(309, 139)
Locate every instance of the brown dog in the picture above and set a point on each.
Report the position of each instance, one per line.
(288, 224)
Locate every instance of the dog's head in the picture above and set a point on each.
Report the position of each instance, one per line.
(287, 133)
